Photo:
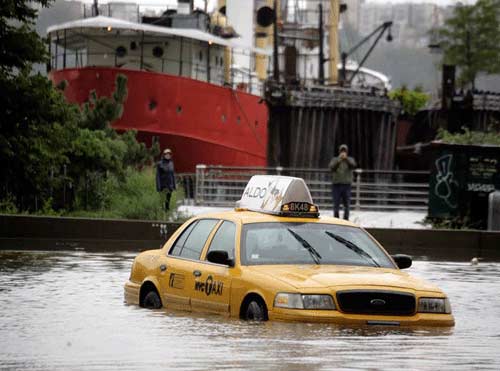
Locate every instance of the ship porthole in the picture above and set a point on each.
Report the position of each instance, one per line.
(121, 51)
(223, 118)
(238, 119)
(179, 110)
(152, 104)
(158, 51)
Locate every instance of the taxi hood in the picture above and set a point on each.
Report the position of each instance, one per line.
(321, 276)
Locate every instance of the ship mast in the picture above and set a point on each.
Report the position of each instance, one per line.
(333, 40)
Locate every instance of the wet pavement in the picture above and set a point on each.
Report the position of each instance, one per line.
(65, 310)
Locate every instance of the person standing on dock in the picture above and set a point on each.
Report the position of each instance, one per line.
(342, 167)
(165, 176)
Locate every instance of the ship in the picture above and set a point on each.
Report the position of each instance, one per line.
(201, 89)
(184, 89)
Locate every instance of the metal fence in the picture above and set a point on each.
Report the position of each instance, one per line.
(371, 190)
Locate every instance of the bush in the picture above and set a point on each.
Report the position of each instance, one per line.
(133, 198)
(411, 101)
(491, 136)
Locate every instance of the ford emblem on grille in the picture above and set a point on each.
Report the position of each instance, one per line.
(377, 302)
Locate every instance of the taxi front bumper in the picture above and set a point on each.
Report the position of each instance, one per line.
(336, 317)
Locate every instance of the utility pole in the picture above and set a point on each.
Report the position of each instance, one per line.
(276, 66)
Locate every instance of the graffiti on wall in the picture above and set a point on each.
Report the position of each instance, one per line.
(446, 185)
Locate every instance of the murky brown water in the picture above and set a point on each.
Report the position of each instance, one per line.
(64, 310)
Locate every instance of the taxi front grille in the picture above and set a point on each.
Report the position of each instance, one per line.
(388, 303)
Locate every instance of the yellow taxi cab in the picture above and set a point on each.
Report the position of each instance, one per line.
(275, 258)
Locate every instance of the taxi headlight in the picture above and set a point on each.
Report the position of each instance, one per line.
(303, 301)
(434, 305)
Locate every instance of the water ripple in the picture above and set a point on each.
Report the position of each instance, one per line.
(64, 310)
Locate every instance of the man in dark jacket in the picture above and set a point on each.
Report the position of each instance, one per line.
(165, 177)
(342, 167)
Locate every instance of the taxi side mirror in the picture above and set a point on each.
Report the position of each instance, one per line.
(219, 257)
(402, 261)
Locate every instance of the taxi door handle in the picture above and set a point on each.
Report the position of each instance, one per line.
(163, 267)
(197, 273)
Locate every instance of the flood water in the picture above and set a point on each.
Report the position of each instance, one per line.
(65, 310)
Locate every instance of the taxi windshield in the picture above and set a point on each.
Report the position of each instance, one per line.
(309, 243)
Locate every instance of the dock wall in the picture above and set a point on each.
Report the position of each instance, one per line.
(55, 233)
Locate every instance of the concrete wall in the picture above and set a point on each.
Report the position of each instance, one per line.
(53, 233)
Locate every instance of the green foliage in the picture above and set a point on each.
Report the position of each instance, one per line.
(412, 101)
(36, 127)
(99, 112)
(8, 206)
(133, 198)
(20, 45)
(459, 222)
(471, 39)
(47, 143)
(491, 136)
(56, 157)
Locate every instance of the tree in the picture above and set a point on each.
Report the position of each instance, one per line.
(20, 45)
(471, 40)
(46, 142)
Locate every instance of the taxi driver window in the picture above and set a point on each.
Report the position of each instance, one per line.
(309, 243)
(224, 239)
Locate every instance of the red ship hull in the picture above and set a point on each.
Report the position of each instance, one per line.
(202, 123)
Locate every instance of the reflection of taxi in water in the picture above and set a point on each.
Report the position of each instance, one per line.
(283, 262)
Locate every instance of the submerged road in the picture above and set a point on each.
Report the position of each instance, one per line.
(64, 310)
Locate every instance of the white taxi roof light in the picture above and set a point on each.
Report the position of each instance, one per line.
(280, 195)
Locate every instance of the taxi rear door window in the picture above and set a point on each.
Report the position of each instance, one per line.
(195, 241)
(179, 244)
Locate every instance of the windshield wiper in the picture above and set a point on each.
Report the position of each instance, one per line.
(353, 247)
(314, 253)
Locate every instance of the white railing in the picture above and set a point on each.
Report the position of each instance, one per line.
(371, 189)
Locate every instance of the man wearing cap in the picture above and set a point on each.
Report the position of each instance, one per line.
(342, 167)
(165, 177)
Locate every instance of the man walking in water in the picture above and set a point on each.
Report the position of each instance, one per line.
(342, 167)
(165, 177)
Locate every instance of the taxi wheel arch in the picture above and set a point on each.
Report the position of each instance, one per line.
(254, 300)
(146, 288)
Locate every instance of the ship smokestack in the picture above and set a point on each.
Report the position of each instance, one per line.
(266, 17)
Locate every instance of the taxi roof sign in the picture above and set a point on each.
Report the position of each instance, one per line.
(275, 194)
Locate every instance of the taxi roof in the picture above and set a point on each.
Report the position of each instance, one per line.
(247, 217)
